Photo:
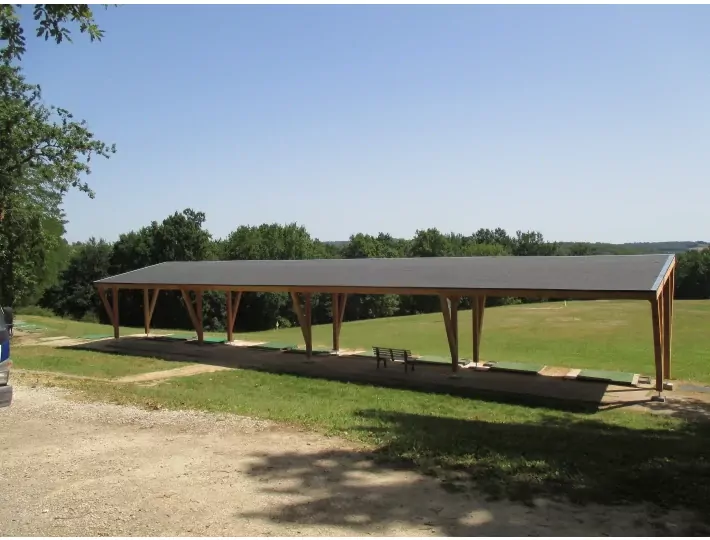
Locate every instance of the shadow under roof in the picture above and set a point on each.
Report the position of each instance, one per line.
(595, 273)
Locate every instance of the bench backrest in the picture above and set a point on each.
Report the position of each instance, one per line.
(392, 354)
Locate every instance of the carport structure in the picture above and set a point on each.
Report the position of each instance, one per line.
(597, 277)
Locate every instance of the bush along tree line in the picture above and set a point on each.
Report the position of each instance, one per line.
(182, 237)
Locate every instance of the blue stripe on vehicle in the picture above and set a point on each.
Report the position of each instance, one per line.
(4, 345)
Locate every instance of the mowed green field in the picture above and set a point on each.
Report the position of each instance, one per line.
(604, 335)
(610, 335)
(502, 450)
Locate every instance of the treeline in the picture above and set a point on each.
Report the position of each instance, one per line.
(45, 152)
(182, 237)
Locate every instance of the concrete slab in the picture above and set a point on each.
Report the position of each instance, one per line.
(573, 374)
(430, 378)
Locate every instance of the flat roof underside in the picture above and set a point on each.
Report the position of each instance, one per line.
(608, 273)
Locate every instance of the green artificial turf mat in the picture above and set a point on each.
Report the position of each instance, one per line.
(274, 346)
(27, 327)
(517, 367)
(174, 337)
(215, 340)
(615, 377)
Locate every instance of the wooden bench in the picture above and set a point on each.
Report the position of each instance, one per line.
(383, 354)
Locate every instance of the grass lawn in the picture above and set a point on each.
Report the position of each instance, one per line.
(503, 450)
(594, 335)
(85, 363)
(56, 326)
(608, 335)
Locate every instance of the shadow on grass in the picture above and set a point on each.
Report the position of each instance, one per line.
(678, 407)
(505, 388)
(580, 461)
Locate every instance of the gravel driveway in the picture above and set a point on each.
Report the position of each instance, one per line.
(89, 469)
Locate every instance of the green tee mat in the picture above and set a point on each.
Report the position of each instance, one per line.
(174, 337)
(274, 346)
(210, 340)
(615, 377)
(27, 327)
(516, 367)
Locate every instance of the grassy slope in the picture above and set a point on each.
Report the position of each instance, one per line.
(85, 363)
(600, 335)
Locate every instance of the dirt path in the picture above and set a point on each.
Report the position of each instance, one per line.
(87, 469)
(172, 373)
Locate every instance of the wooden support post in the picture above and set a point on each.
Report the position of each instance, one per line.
(232, 310)
(454, 302)
(114, 300)
(153, 302)
(335, 308)
(341, 305)
(107, 306)
(304, 319)
(146, 310)
(190, 310)
(308, 317)
(657, 320)
(338, 309)
(475, 316)
(200, 317)
(230, 328)
(448, 306)
(478, 306)
(229, 316)
(668, 294)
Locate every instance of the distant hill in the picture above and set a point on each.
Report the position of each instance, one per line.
(643, 247)
(627, 247)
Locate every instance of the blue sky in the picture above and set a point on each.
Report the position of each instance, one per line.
(585, 123)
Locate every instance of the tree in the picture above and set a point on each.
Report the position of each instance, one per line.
(43, 153)
(51, 23)
(693, 277)
(272, 242)
(75, 295)
(579, 248)
(179, 237)
(532, 243)
(43, 150)
(431, 243)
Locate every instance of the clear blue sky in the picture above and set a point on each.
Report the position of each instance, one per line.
(585, 123)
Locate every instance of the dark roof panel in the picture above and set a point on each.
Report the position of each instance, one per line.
(632, 273)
